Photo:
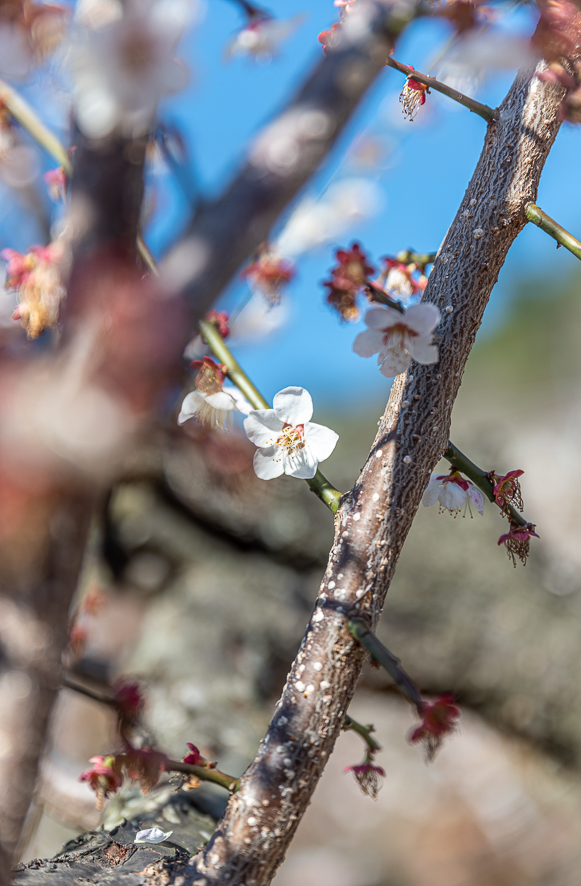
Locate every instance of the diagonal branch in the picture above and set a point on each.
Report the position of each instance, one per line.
(375, 517)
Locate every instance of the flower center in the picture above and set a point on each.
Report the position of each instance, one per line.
(291, 439)
(397, 338)
(208, 380)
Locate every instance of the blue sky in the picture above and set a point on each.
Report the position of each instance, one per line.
(428, 166)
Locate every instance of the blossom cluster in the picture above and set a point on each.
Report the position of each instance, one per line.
(37, 277)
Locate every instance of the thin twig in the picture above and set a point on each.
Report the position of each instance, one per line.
(536, 215)
(476, 107)
(319, 483)
(230, 782)
(349, 724)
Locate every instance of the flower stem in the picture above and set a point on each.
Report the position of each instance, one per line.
(480, 478)
(421, 259)
(319, 483)
(205, 774)
(477, 107)
(359, 629)
(364, 731)
(536, 215)
(27, 117)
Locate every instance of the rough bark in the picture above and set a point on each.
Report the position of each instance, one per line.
(375, 516)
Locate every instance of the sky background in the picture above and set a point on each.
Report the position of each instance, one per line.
(422, 175)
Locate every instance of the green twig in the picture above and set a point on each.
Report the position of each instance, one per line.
(549, 226)
(319, 483)
(421, 259)
(359, 629)
(480, 478)
(349, 724)
(476, 107)
(204, 774)
(27, 117)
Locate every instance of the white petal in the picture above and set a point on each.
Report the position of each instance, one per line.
(242, 404)
(368, 343)
(262, 427)
(422, 351)
(152, 835)
(476, 497)
(268, 463)
(221, 400)
(301, 464)
(430, 496)
(382, 318)
(293, 406)
(422, 318)
(394, 363)
(190, 406)
(452, 496)
(320, 440)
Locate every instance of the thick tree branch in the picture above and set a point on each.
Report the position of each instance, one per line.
(375, 517)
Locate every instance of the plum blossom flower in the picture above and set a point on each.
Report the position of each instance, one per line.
(104, 777)
(262, 35)
(347, 278)
(399, 280)
(439, 720)
(518, 541)
(37, 276)
(453, 492)
(57, 182)
(507, 490)
(211, 403)
(368, 776)
(269, 274)
(288, 442)
(412, 96)
(144, 765)
(399, 337)
(123, 68)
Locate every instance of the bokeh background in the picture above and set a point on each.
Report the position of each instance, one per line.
(204, 576)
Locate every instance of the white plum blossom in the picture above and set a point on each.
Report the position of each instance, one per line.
(212, 403)
(152, 835)
(288, 442)
(261, 36)
(398, 337)
(123, 68)
(453, 492)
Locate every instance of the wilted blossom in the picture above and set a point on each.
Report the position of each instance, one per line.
(453, 492)
(518, 541)
(211, 403)
(269, 274)
(288, 442)
(439, 720)
(368, 776)
(104, 777)
(398, 279)
(143, 765)
(123, 68)
(262, 35)
(129, 699)
(399, 337)
(194, 758)
(36, 275)
(412, 96)
(507, 490)
(347, 278)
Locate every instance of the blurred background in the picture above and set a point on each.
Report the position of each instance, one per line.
(201, 578)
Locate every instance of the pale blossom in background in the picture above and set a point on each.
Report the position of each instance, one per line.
(261, 37)
(214, 410)
(123, 68)
(288, 442)
(398, 338)
(453, 492)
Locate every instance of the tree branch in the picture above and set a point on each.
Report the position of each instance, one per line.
(375, 517)
(476, 107)
(536, 215)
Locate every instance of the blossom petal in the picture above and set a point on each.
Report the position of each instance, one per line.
(422, 351)
(293, 406)
(430, 496)
(422, 318)
(382, 318)
(152, 835)
(451, 496)
(394, 363)
(221, 400)
(268, 463)
(240, 401)
(262, 427)
(320, 440)
(301, 463)
(476, 497)
(368, 343)
(192, 403)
